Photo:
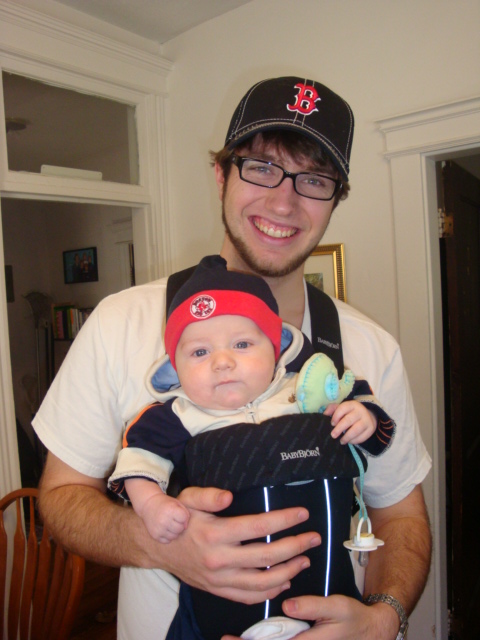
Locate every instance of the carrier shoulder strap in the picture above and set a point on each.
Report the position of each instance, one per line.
(326, 336)
(175, 281)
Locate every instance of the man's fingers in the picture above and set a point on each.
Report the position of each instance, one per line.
(257, 585)
(240, 528)
(335, 608)
(304, 607)
(258, 555)
(251, 527)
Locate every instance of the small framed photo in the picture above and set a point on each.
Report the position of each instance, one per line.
(325, 269)
(80, 265)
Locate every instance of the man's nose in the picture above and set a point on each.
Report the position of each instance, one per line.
(282, 199)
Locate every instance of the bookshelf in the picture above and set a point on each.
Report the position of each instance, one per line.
(67, 320)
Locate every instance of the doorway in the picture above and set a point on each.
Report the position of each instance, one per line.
(36, 234)
(459, 198)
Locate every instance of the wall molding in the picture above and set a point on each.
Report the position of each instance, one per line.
(456, 124)
(52, 27)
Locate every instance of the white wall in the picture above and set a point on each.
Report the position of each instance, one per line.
(75, 226)
(384, 58)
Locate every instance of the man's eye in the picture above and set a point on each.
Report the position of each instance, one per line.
(198, 353)
(315, 181)
(243, 344)
(259, 169)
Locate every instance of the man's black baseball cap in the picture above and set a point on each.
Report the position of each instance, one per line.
(296, 104)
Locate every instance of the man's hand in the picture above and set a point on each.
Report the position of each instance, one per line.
(214, 559)
(340, 618)
(208, 554)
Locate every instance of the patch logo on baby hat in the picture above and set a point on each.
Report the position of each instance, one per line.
(202, 307)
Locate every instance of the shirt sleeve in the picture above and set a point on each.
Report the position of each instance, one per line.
(153, 444)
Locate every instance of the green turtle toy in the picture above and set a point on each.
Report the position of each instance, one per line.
(318, 384)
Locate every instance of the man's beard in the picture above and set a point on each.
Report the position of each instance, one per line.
(265, 269)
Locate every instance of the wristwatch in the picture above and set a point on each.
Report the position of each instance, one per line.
(393, 602)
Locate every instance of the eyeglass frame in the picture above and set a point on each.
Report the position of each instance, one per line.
(239, 161)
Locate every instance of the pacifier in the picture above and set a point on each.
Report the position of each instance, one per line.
(363, 542)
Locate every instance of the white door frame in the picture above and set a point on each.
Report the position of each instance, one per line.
(50, 50)
(413, 143)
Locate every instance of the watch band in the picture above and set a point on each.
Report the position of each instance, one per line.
(393, 602)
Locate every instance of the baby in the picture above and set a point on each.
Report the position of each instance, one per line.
(228, 382)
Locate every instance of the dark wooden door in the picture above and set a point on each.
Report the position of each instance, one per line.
(461, 267)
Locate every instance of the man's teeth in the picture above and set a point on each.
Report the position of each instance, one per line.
(275, 233)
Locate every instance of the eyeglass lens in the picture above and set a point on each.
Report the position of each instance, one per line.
(266, 174)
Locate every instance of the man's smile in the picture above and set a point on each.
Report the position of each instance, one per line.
(274, 231)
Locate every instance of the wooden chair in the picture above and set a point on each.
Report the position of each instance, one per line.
(47, 582)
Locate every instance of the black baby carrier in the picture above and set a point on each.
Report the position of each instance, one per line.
(290, 461)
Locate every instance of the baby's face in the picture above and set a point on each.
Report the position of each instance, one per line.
(224, 362)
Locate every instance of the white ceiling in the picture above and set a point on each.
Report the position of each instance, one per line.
(157, 20)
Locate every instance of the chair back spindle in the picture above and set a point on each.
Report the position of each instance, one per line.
(46, 581)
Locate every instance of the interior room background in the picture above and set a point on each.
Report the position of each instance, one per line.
(387, 59)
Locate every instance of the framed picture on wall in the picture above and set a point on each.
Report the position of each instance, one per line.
(325, 269)
(80, 265)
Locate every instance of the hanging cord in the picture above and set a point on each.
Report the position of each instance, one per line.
(362, 542)
(359, 498)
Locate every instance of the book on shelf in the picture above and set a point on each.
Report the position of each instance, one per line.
(67, 320)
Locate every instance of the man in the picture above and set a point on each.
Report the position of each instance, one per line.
(283, 169)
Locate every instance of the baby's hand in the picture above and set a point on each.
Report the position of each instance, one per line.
(165, 517)
(352, 421)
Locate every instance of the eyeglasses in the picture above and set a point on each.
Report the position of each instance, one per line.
(270, 175)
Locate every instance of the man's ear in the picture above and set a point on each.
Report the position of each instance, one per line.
(220, 180)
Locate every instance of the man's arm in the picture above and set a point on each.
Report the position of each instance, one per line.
(400, 569)
(208, 555)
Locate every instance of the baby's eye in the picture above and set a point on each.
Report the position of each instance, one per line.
(198, 353)
(243, 344)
